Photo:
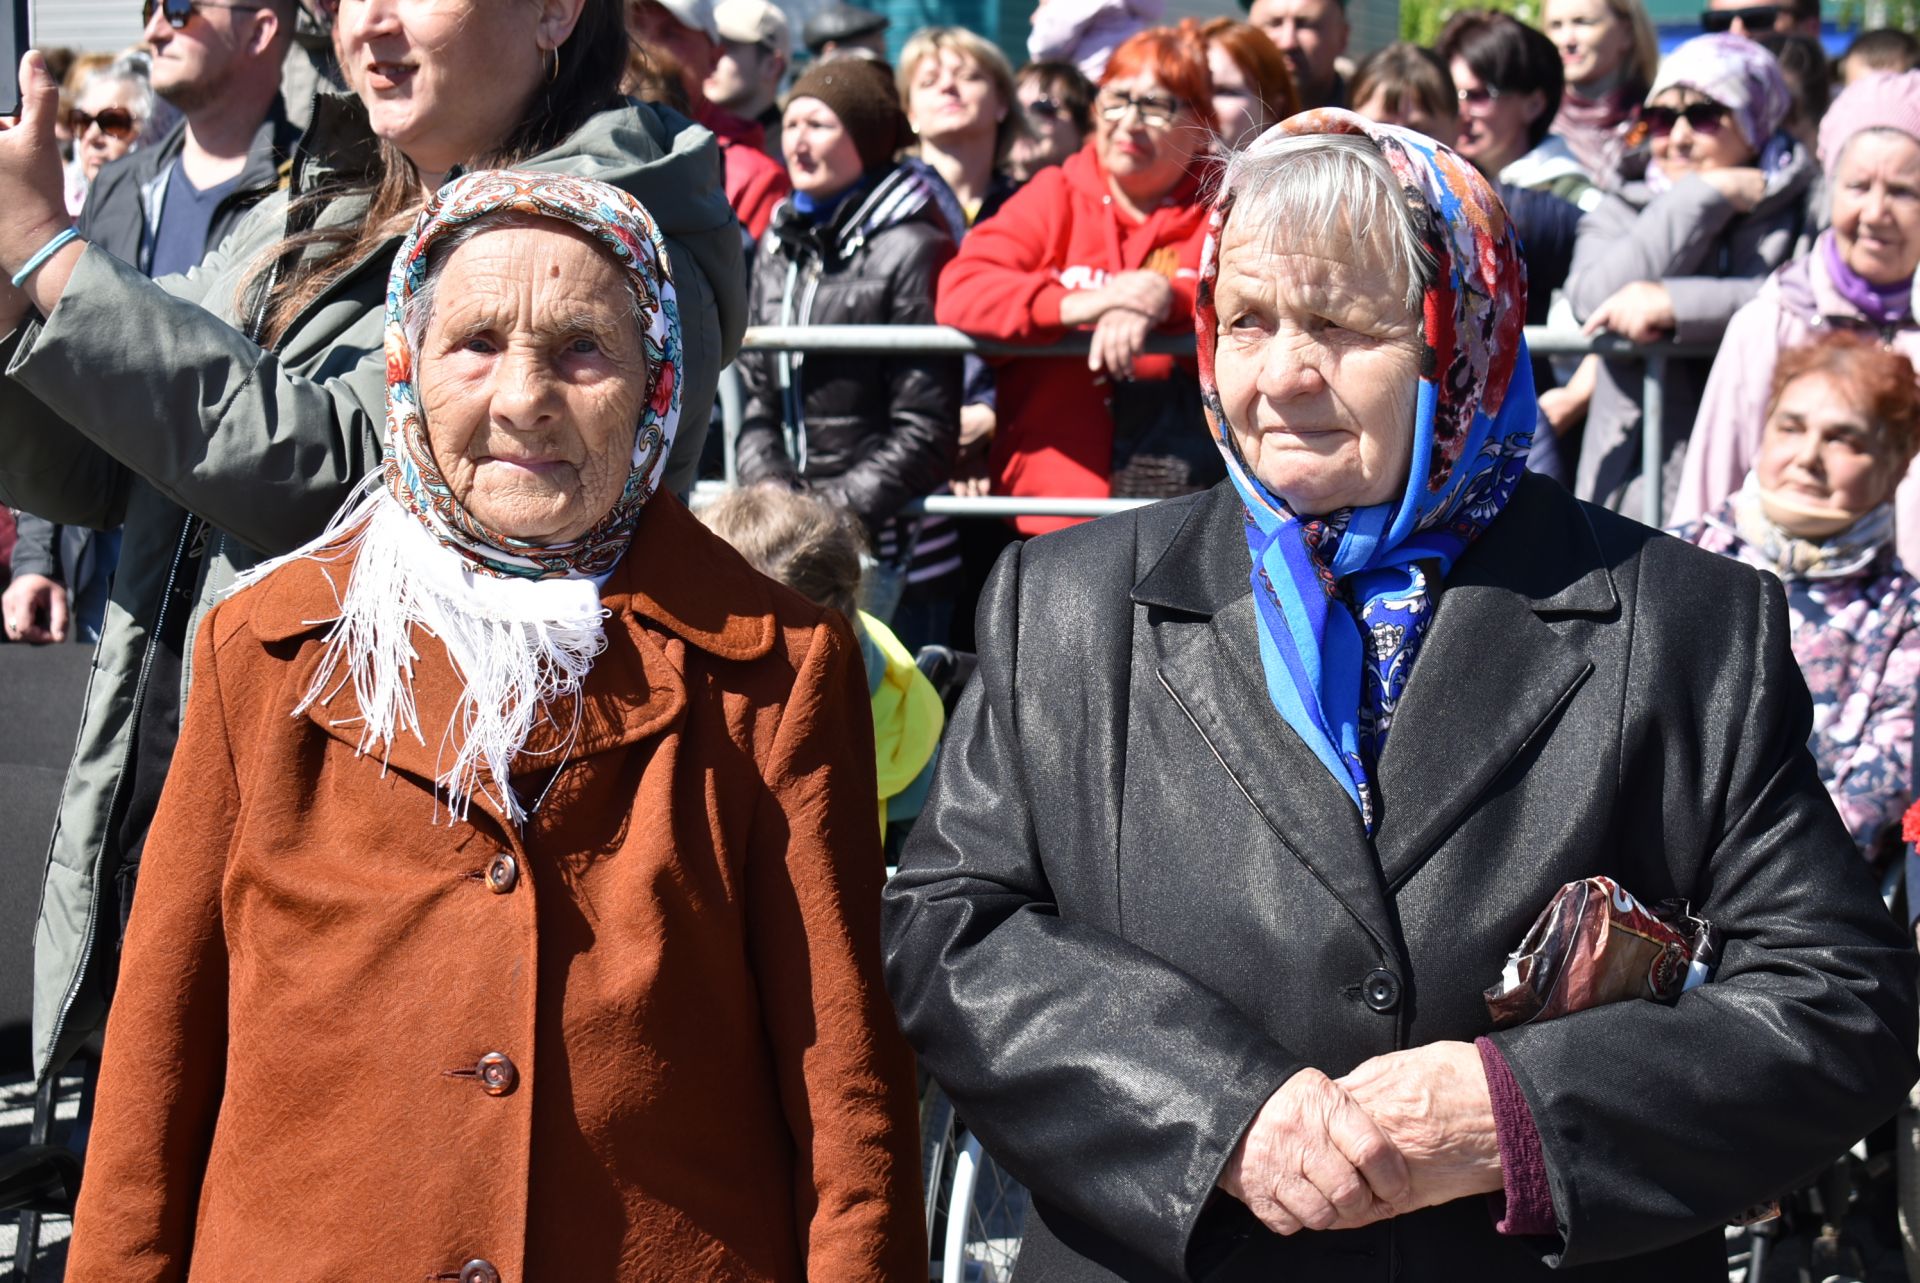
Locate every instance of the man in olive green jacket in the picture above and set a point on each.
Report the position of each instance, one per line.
(142, 403)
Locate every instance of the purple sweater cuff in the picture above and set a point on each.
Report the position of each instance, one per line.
(1525, 1205)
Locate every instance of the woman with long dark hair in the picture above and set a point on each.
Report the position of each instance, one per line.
(224, 416)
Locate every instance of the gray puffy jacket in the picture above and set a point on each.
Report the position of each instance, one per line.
(139, 403)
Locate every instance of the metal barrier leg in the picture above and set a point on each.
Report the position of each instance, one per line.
(1653, 454)
(732, 396)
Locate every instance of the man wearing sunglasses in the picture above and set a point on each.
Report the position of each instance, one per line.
(161, 208)
(1744, 18)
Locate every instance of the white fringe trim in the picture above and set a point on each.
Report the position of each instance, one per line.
(520, 646)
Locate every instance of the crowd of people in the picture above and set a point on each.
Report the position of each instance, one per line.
(329, 408)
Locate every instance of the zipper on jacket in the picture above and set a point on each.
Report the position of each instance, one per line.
(113, 803)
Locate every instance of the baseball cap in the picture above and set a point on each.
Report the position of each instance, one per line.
(753, 22)
(694, 15)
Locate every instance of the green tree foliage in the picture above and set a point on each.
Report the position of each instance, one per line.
(1421, 20)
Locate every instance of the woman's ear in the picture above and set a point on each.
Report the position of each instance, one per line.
(556, 23)
(1536, 106)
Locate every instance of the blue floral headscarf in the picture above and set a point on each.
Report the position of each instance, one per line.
(1345, 598)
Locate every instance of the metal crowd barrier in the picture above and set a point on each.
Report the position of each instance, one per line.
(881, 340)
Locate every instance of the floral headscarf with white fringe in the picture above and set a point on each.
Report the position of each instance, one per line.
(521, 621)
(1344, 598)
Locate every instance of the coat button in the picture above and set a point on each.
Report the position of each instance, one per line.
(1381, 989)
(477, 1271)
(497, 1077)
(502, 873)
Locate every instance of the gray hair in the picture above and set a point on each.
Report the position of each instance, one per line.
(1331, 182)
(152, 113)
(417, 311)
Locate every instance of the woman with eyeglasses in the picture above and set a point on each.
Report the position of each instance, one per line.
(224, 416)
(1859, 277)
(1056, 106)
(1718, 201)
(1108, 243)
(1508, 80)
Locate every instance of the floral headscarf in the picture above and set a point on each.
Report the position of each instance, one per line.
(624, 227)
(1744, 78)
(521, 622)
(1345, 598)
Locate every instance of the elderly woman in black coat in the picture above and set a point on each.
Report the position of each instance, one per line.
(1256, 790)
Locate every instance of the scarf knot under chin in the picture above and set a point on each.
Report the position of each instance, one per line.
(521, 622)
(1849, 552)
(1344, 599)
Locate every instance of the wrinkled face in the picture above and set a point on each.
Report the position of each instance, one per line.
(1691, 149)
(821, 158)
(1051, 134)
(1876, 205)
(1821, 451)
(1410, 113)
(192, 66)
(1493, 124)
(1147, 137)
(1594, 41)
(445, 80)
(110, 101)
(1317, 360)
(532, 376)
(952, 96)
(1240, 110)
(1312, 34)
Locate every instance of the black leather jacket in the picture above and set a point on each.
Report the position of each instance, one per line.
(865, 432)
(1136, 903)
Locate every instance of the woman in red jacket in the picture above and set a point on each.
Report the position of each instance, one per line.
(1109, 241)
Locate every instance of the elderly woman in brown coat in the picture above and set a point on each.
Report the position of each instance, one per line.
(540, 942)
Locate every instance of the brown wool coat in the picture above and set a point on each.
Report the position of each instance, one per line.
(707, 1081)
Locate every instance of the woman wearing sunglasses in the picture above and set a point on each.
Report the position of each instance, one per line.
(1718, 201)
(1056, 106)
(115, 110)
(224, 416)
(1108, 242)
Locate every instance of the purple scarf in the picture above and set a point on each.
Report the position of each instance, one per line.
(1881, 304)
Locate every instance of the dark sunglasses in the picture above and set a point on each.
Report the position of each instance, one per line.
(179, 11)
(1754, 17)
(1045, 109)
(114, 122)
(1701, 118)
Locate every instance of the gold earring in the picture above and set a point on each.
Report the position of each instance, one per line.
(553, 69)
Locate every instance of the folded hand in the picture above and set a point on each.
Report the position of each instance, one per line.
(1432, 1103)
(1313, 1160)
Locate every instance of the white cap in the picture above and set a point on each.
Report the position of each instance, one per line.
(694, 15)
(753, 22)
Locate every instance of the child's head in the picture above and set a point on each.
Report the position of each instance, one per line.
(806, 543)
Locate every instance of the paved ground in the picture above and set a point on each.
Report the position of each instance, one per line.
(16, 1114)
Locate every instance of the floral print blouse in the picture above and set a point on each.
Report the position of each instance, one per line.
(1858, 643)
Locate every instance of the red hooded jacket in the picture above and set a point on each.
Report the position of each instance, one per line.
(755, 181)
(1062, 232)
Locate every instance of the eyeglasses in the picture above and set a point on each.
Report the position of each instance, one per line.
(1484, 96)
(1045, 109)
(1701, 118)
(114, 122)
(1759, 17)
(1155, 113)
(179, 11)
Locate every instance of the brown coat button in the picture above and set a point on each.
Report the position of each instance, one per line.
(477, 1271)
(497, 1077)
(502, 873)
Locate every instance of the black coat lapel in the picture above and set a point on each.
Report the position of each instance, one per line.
(1208, 654)
(1491, 673)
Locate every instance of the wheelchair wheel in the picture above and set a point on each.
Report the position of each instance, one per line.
(975, 1211)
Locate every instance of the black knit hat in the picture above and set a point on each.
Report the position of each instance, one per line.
(862, 94)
